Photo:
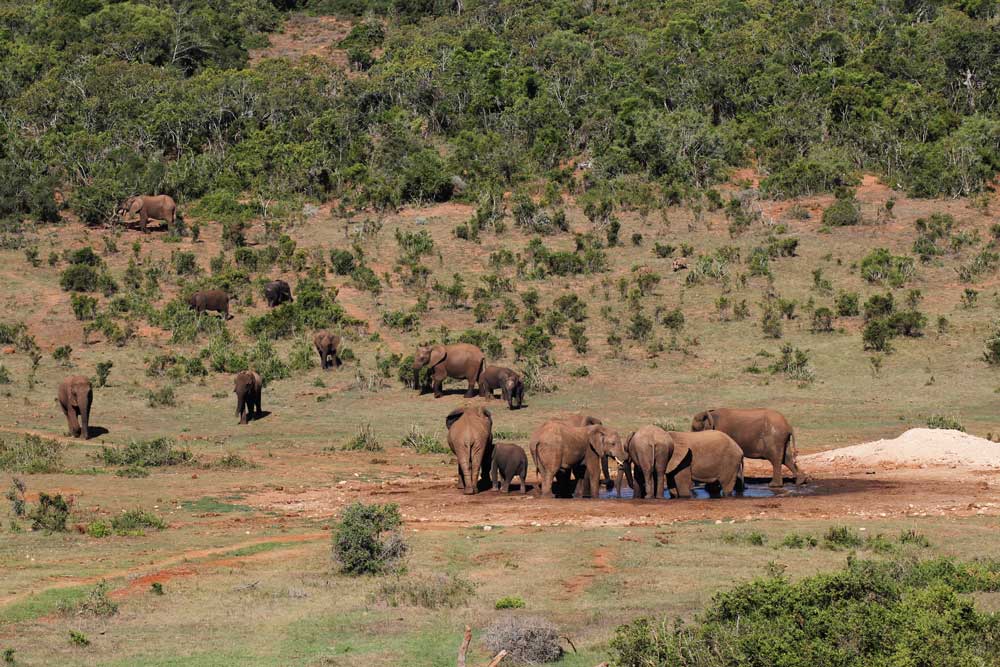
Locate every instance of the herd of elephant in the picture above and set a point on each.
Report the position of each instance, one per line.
(568, 450)
(573, 451)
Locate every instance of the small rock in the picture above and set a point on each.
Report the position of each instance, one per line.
(487, 528)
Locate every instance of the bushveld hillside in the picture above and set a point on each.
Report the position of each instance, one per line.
(647, 209)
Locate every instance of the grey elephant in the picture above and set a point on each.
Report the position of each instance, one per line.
(212, 299)
(713, 459)
(277, 292)
(559, 448)
(509, 383)
(470, 436)
(460, 361)
(652, 457)
(761, 433)
(147, 207)
(248, 387)
(76, 397)
(509, 461)
(326, 345)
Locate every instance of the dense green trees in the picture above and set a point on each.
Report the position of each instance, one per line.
(102, 99)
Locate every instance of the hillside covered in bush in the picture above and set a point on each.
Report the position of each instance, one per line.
(102, 99)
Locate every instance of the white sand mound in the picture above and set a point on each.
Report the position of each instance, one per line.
(918, 446)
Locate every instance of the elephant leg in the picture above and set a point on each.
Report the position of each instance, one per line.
(438, 376)
(143, 219)
(728, 486)
(241, 405)
(523, 474)
(471, 391)
(494, 474)
(660, 480)
(71, 420)
(776, 479)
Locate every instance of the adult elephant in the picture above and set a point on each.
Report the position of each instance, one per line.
(470, 436)
(326, 345)
(655, 456)
(713, 459)
(277, 292)
(582, 419)
(75, 397)
(559, 448)
(460, 361)
(762, 433)
(155, 207)
(509, 383)
(248, 387)
(211, 299)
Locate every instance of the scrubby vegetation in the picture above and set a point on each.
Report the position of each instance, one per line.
(368, 539)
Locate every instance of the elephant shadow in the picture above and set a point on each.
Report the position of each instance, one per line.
(261, 415)
(96, 431)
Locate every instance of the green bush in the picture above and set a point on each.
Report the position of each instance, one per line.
(844, 212)
(822, 320)
(423, 443)
(877, 336)
(50, 514)
(943, 421)
(488, 342)
(135, 521)
(84, 307)
(162, 397)
(992, 353)
(364, 441)
(509, 602)
(79, 278)
(534, 343)
(847, 304)
(30, 454)
(369, 540)
(891, 612)
(881, 266)
(145, 453)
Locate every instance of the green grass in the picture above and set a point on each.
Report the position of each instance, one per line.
(208, 504)
(44, 603)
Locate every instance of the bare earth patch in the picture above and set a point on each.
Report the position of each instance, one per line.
(307, 36)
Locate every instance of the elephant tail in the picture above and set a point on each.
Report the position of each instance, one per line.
(740, 481)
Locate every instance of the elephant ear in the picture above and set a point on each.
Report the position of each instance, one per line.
(681, 453)
(438, 353)
(453, 417)
(599, 441)
(592, 421)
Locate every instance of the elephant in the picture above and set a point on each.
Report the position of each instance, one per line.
(212, 299)
(157, 207)
(508, 461)
(76, 397)
(559, 448)
(470, 436)
(461, 361)
(326, 345)
(761, 432)
(507, 381)
(713, 458)
(582, 419)
(277, 292)
(247, 388)
(654, 455)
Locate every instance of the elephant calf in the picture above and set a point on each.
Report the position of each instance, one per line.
(75, 398)
(507, 381)
(714, 459)
(248, 387)
(509, 461)
(212, 299)
(326, 345)
(470, 436)
(277, 292)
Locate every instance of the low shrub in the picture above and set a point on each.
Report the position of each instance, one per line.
(135, 521)
(98, 603)
(945, 422)
(881, 266)
(423, 443)
(368, 539)
(430, 592)
(145, 453)
(844, 212)
(753, 538)
(30, 454)
(992, 354)
(50, 514)
(232, 461)
(162, 397)
(841, 537)
(509, 602)
(364, 441)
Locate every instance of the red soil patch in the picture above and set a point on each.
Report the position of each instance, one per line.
(307, 36)
(599, 564)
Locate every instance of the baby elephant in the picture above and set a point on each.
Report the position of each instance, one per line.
(277, 292)
(508, 461)
(326, 345)
(507, 381)
(247, 389)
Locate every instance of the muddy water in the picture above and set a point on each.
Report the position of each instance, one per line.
(761, 490)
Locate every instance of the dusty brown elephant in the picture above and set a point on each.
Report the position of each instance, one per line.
(713, 459)
(654, 455)
(509, 461)
(326, 345)
(76, 397)
(155, 207)
(212, 299)
(470, 436)
(248, 387)
(507, 381)
(460, 361)
(559, 449)
(277, 292)
(761, 432)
